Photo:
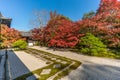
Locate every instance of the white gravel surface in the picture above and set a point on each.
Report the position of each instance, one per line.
(30, 61)
(92, 68)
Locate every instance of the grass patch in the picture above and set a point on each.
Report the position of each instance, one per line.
(67, 71)
(38, 71)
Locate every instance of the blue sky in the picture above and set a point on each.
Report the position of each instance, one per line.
(21, 11)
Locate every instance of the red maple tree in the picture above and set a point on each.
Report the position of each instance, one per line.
(66, 33)
(106, 23)
(62, 32)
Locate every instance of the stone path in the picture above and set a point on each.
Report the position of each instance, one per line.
(92, 68)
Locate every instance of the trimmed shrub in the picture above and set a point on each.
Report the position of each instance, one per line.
(92, 45)
(20, 44)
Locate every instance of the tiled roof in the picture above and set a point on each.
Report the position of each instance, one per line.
(26, 34)
(2, 17)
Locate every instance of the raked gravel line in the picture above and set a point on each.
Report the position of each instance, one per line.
(92, 68)
(30, 61)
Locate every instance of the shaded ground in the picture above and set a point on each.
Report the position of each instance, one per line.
(94, 72)
(1, 53)
(92, 68)
(0, 58)
(16, 65)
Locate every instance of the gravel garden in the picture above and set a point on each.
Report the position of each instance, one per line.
(57, 66)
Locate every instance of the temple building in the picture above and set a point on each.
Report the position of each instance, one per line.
(28, 36)
(4, 20)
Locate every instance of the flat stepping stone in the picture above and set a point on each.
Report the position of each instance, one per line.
(58, 60)
(57, 66)
(53, 59)
(45, 71)
(64, 62)
(33, 77)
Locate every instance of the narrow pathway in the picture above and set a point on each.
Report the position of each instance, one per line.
(92, 68)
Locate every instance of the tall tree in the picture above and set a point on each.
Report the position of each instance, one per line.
(40, 18)
(43, 34)
(60, 32)
(63, 32)
(39, 22)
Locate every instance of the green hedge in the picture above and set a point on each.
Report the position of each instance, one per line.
(20, 44)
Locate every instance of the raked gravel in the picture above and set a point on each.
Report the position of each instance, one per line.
(92, 68)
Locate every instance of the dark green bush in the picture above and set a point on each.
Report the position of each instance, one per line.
(92, 45)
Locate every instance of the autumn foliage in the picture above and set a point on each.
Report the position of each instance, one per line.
(9, 35)
(62, 32)
(105, 24)
(59, 32)
(66, 34)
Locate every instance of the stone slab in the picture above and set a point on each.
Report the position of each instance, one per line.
(58, 60)
(56, 65)
(45, 71)
(53, 59)
(64, 62)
